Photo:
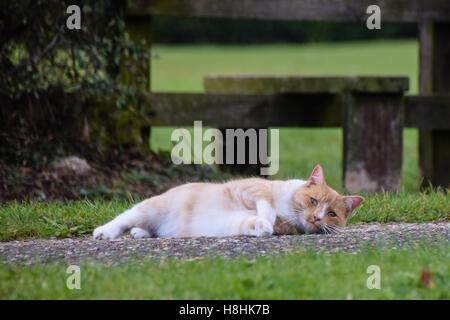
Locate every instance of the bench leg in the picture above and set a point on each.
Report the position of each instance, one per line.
(373, 133)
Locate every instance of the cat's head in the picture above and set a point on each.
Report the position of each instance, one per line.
(323, 209)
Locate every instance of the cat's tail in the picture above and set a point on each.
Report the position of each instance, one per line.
(138, 219)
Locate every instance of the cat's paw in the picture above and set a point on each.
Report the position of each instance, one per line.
(263, 228)
(139, 233)
(106, 232)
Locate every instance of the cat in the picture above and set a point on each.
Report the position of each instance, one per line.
(250, 207)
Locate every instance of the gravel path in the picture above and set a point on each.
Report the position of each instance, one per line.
(353, 239)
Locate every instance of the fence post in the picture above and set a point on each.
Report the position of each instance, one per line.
(373, 129)
(434, 78)
(138, 73)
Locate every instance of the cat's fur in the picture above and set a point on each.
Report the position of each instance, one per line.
(253, 207)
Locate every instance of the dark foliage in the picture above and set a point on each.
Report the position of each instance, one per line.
(37, 50)
(48, 73)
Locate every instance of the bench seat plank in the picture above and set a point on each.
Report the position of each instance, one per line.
(254, 84)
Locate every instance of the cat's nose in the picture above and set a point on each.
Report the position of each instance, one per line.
(316, 218)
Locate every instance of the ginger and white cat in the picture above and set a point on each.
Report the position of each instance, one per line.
(252, 207)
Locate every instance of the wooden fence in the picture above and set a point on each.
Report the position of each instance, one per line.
(429, 111)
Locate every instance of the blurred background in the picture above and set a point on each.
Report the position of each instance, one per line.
(62, 92)
(187, 49)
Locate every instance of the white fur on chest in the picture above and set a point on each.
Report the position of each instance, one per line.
(284, 195)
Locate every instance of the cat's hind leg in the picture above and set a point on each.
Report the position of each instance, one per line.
(120, 224)
(256, 226)
(139, 233)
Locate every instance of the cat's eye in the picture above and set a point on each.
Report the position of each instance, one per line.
(331, 214)
(314, 202)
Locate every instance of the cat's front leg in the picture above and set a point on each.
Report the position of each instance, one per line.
(265, 210)
(265, 219)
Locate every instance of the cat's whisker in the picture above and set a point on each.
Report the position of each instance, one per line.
(329, 230)
(324, 229)
(333, 228)
(337, 228)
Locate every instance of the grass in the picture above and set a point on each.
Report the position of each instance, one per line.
(63, 219)
(55, 219)
(299, 275)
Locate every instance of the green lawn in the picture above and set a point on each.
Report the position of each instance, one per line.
(182, 68)
(299, 275)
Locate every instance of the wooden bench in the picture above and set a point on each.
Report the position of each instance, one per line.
(372, 119)
(429, 111)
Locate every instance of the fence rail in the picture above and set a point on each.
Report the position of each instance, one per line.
(306, 10)
(281, 110)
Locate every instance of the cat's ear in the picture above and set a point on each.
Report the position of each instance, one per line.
(317, 177)
(351, 203)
